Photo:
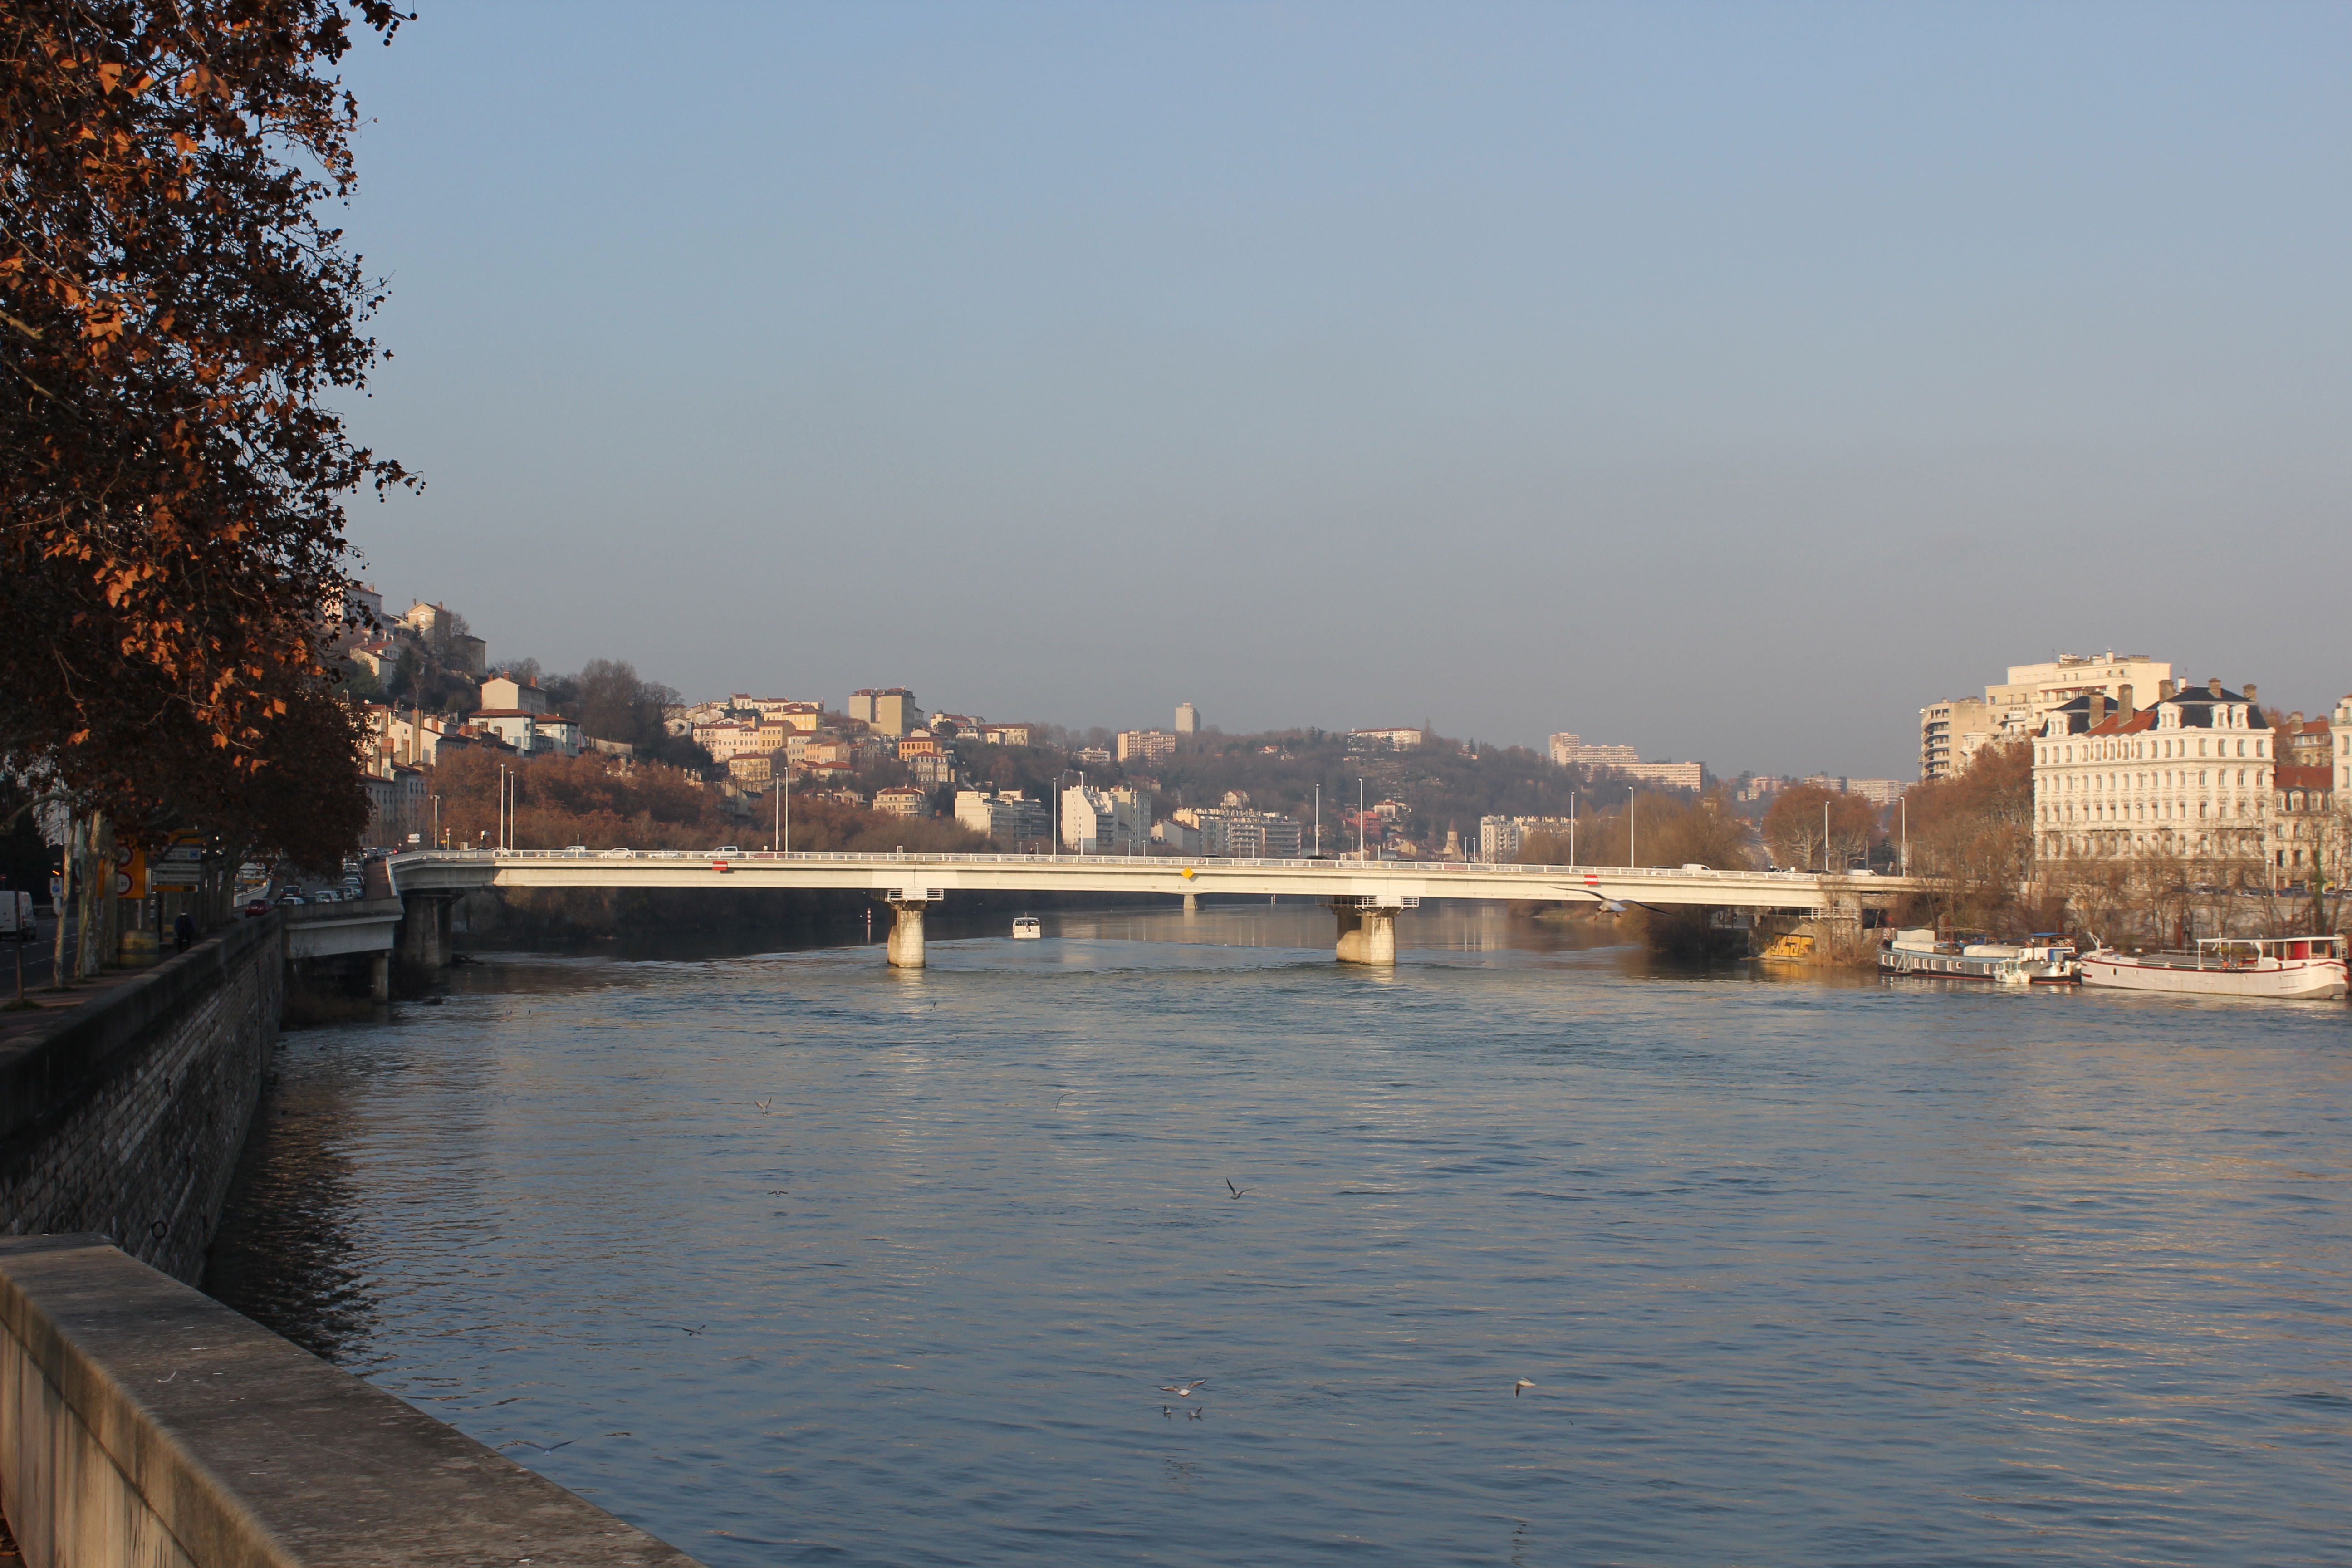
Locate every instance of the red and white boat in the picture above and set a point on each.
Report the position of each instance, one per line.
(2297, 966)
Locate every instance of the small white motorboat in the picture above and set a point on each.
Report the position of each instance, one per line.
(1027, 928)
(2302, 966)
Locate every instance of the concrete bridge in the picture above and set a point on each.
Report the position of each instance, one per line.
(1365, 895)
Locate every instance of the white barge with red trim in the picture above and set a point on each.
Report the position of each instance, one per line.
(2294, 966)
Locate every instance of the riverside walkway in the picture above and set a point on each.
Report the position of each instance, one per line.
(1365, 895)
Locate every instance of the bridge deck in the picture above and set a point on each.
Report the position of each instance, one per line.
(921, 876)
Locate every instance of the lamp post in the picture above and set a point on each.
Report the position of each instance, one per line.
(1572, 828)
(1361, 854)
(1319, 820)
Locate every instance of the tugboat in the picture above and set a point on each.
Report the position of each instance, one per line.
(2298, 966)
(2035, 962)
(1027, 928)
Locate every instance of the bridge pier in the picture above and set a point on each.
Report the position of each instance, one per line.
(904, 949)
(1366, 934)
(1192, 903)
(424, 929)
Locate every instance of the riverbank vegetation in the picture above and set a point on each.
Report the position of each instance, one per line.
(605, 803)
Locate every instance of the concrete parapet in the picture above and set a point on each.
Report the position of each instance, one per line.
(125, 1115)
(141, 1422)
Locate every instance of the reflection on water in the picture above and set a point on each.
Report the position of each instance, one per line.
(805, 1260)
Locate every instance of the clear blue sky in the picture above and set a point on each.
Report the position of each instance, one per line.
(1725, 380)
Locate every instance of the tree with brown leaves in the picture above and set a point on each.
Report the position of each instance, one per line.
(174, 315)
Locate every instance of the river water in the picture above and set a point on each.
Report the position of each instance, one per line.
(794, 1259)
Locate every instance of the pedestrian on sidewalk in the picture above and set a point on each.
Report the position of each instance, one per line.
(183, 931)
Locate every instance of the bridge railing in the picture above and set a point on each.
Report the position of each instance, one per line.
(1154, 862)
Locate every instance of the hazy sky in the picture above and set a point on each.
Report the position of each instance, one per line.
(1727, 381)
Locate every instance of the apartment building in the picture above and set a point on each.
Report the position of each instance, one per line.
(2190, 776)
(1398, 739)
(727, 739)
(1691, 776)
(2305, 836)
(1952, 731)
(1146, 745)
(398, 804)
(1570, 751)
(1105, 820)
(1500, 838)
(933, 770)
(2302, 742)
(1243, 834)
(2018, 704)
(2341, 741)
(887, 711)
(903, 801)
(503, 691)
(1009, 818)
(1188, 718)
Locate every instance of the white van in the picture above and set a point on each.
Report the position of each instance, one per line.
(16, 916)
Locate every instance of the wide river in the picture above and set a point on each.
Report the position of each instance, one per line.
(794, 1259)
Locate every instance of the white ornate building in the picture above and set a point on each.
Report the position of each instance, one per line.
(2187, 776)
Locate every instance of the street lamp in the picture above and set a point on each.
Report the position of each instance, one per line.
(1633, 858)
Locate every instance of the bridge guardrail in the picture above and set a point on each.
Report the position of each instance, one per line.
(1169, 862)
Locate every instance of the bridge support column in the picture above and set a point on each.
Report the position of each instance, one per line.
(1192, 903)
(379, 977)
(905, 947)
(1366, 935)
(424, 929)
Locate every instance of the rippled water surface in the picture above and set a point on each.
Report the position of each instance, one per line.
(792, 1259)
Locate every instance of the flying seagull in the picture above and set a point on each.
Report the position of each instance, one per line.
(1237, 1192)
(1182, 1390)
(1522, 1383)
(681, 1328)
(763, 1104)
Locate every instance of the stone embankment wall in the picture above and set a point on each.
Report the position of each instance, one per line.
(125, 1116)
(141, 1422)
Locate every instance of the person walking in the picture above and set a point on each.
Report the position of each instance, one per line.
(183, 931)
